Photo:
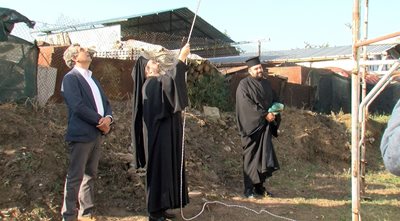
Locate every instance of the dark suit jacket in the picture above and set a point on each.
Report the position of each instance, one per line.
(82, 110)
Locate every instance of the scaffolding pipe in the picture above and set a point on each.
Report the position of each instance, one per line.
(376, 88)
(358, 110)
(363, 94)
(379, 88)
(374, 40)
(355, 85)
(362, 140)
(378, 92)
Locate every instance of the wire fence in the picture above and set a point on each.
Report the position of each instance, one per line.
(116, 52)
(113, 61)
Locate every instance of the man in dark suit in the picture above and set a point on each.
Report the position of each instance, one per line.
(89, 117)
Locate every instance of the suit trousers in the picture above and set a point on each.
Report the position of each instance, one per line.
(79, 183)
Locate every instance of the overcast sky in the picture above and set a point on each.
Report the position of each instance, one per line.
(279, 24)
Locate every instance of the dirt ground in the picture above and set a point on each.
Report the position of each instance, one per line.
(312, 184)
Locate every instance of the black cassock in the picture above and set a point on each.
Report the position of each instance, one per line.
(157, 134)
(253, 99)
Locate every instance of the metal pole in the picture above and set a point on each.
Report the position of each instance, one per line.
(374, 40)
(376, 88)
(363, 94)
(355, 82)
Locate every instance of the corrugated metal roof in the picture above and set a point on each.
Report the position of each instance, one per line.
(306, 54)
(175, 21)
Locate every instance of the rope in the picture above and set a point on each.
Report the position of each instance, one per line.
(211, 202)
(236, 206)
(194, 19)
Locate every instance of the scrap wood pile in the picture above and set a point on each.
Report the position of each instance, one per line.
(200, 68)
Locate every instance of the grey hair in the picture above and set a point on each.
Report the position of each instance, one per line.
(69, 53)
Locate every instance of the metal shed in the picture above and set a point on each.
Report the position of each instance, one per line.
(174, 21)
(167, 28)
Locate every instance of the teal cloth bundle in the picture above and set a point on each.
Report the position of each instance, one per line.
(276, 108)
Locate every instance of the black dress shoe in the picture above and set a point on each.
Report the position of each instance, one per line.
(249, 194)
(261, 191)
(169, 215)
(152, 218)
(268, 194)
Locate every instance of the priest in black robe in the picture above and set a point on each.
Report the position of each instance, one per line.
(157, 131)
(254, 97)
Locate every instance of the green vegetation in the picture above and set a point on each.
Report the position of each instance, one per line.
(210, 90)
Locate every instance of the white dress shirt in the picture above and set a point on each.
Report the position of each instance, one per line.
(87, 74)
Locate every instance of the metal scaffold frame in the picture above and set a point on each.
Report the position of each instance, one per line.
(359, 109)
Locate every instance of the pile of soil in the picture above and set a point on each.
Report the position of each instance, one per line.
(34, 157)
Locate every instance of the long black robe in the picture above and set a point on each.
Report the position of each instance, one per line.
(163, 99)
(253, 99)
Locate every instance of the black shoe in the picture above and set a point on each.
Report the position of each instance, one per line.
(169, 215)
(261, 191)
(152, 218)
(249, 194)
(269, 194)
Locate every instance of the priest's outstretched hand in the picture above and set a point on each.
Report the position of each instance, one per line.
(185, 51)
